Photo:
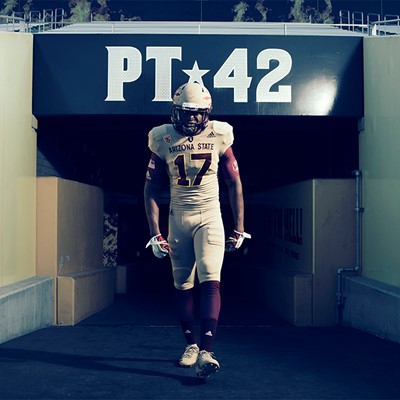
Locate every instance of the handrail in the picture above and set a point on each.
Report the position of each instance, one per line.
(36, 21)
(13, 23)
(389, 25)
(385, 27)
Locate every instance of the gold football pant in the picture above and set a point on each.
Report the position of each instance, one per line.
(197, 240)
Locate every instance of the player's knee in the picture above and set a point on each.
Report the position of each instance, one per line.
(205, 276)
(209, 269)
(183, 286)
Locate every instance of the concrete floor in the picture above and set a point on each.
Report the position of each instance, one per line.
(130, 351)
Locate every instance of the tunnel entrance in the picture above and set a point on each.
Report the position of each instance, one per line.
(112, 153)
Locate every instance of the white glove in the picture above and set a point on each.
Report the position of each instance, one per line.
(159, 246)
(235, 240)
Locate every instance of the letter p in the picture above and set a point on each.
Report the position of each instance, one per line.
(124, 65)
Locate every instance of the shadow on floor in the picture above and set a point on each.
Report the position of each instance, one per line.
(130, 349)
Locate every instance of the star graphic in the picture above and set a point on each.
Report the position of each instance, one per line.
(195, 74)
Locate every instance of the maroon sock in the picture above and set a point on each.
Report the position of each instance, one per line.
(185, 306)
(210, 306)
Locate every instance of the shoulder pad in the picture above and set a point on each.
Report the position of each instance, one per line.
(221, 128)
(156, 137)
(224, 132)
(158, 131)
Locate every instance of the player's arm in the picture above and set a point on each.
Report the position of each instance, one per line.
(151, 202)
(231, 175)
(152, 192)
(230, 170)
(236, 201)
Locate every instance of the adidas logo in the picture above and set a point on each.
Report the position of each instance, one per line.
(208, 333)
(211, 134)
(187, 332)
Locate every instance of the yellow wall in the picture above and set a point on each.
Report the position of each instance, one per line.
(17, 160)
(380, 160)
(69, 227)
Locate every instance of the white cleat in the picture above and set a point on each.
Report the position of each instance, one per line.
(189, 356)
(206, 365)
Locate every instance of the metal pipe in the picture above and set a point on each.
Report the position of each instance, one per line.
(357, 268)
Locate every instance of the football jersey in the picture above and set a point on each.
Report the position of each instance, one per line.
(192, 161)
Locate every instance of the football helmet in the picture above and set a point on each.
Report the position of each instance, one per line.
(191, 108)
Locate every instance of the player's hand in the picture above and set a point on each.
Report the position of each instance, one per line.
(235, 240)
(159, 246)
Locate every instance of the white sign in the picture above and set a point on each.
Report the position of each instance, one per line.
(125, 67)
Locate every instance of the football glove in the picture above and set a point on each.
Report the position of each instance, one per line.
(235, 240)
(159, 246)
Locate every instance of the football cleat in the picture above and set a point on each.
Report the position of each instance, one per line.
(189, 356)
(206, 364)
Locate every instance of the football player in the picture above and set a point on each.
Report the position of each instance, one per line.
(192, 150)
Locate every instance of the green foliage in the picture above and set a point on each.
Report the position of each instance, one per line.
(123, 17)
(80, 10)
(297, 13)
(301, 13)
(8, 7)
(240, 11)
(241, 8)
(326, 16)
(262, 10)
(27, 7)
(102, 13)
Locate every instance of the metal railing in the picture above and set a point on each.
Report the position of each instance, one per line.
(12, 23)
(372, 25)
(366, 24)
(34, 21)
(386, 27)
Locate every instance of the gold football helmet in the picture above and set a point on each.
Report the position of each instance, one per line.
(191, 108)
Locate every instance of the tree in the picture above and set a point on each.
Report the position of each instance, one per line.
(262, 10)
(8, 7)
(27, 7)
(80, 10)
(96, 10)
(123, 17)
(102, 13)
(300, 13)
(326, 16)
(241, 8)
(240, 11)
(297, 13)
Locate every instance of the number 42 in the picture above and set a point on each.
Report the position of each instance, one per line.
(233, 74)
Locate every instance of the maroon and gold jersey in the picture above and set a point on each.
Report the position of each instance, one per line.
(192, 162)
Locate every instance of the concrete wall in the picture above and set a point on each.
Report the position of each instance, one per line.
(26, 302)
(372, 300)
(306, 232)
(373, 306)
(18, 160)
(380, 160)
(25, 306)
(70, 248)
